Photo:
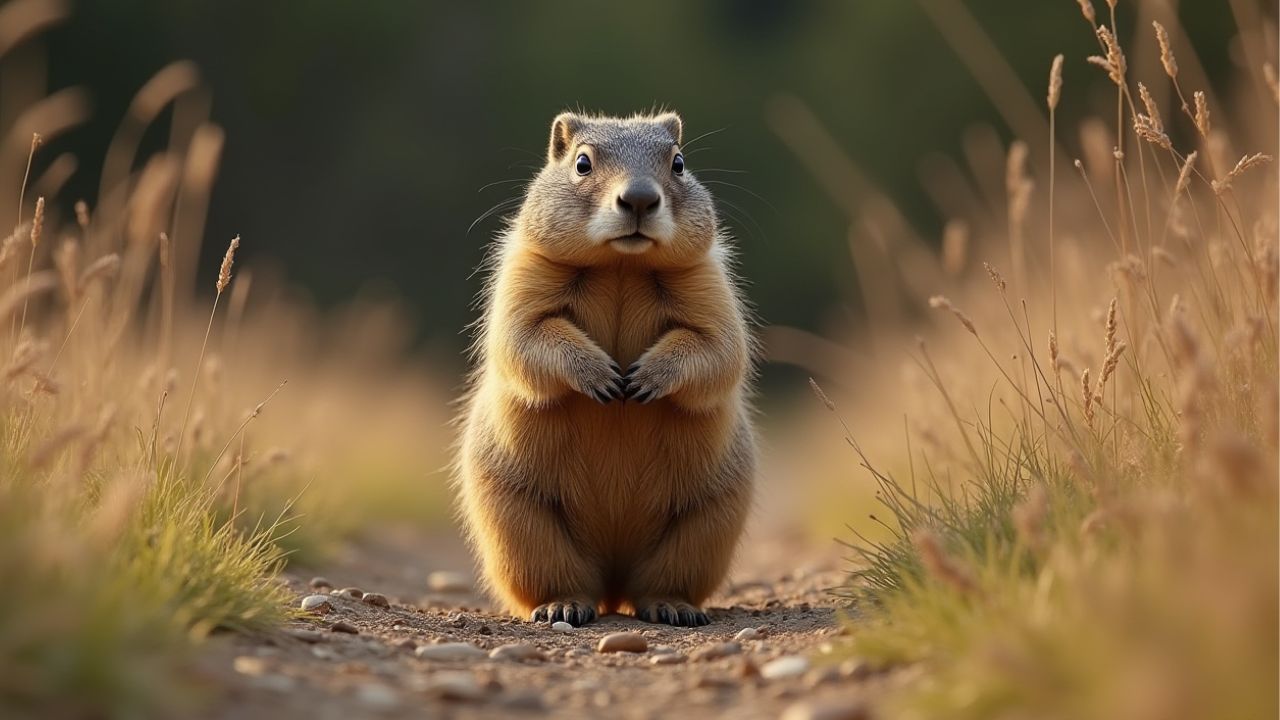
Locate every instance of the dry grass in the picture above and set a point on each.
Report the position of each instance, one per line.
(1082, 510)
(155, 470)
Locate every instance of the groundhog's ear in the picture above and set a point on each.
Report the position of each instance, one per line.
(563, 128)
(673, 125)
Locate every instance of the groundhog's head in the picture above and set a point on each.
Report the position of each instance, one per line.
(615, 186)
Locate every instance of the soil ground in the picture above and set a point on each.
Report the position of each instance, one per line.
(308, 670)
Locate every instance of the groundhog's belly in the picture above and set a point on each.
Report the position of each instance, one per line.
(622, 471)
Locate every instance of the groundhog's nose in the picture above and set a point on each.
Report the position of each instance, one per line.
(639, 199)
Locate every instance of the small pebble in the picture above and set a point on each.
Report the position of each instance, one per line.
(320, 583)
(351, 593)
(375, 599)
(443, 581)
(450, 651)
(517, 651)
(826, 710)
(747, 634)
(318, 604)
(662, 649)
(561, 626)
(342, 626)
(716, 651)
(453, 686)
(622, 642)
(249, 665)
(789, 666)
(667, 659)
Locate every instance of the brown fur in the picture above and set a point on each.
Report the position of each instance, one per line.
(575, 506)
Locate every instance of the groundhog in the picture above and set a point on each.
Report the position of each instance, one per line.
(607, 450)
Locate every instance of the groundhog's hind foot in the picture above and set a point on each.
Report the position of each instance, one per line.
(680, 614)
(574, 612)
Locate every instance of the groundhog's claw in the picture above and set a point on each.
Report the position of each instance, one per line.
(571, 611)
(680, 614)
(643, 384)
(607, 386)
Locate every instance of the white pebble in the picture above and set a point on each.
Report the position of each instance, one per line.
(317, 604)
(789, 666)
(561, 626)
(450, 651)
(249, 665)
(517, 651)
(747, 634)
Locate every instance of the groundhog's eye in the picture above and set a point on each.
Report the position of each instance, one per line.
(677, 164)
(583, 165)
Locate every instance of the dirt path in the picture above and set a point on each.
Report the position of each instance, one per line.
(379, 667)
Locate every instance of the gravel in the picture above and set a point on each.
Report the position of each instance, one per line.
(623, 642)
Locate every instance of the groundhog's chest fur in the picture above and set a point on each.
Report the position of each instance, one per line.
(617, 471)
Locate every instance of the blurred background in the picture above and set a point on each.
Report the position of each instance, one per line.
(364, 139)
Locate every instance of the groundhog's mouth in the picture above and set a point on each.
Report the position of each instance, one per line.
(632, 244)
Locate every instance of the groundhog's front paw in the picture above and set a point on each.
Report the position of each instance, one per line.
(574, 612)
(601, 379)
(672, 612)
(649, 379)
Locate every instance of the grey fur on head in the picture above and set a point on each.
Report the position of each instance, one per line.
(584, 217)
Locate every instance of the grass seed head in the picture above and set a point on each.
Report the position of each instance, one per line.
(224, 272)
(1184, 175)
(1086, 9)
(1111, 326)
(1242, 166)
(1202, 114)
(1055, 82)
(37, 223)
(1153, 110)
(82, 214)
(1114, 63)
(1148, 129)
(939, 302)
(996, 277)
(1167, 59)
(822, 396)
(1086, 396)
